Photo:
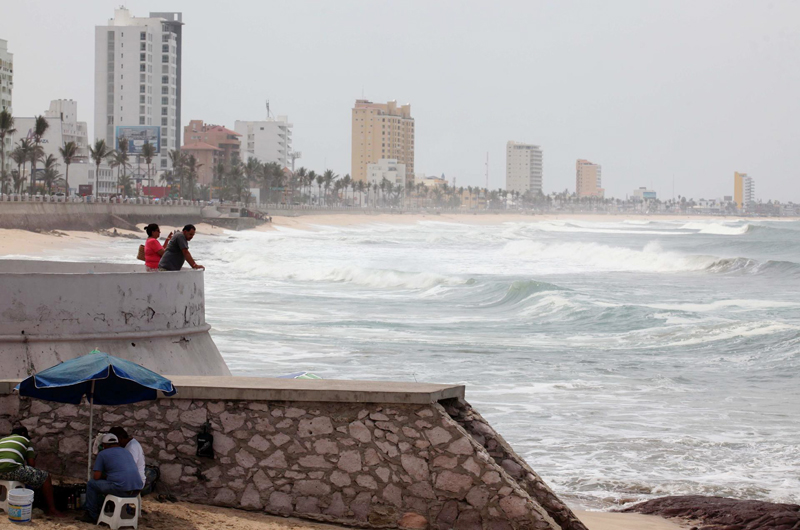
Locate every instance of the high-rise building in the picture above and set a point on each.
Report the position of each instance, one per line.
(588, 181)
(6, 88)
(268, 141)
(381, 130)
(6, 76)
(523, 167)
(137, 94)
(744, 190)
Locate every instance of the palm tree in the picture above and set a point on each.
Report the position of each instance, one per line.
(119, 160)
(50, 174)
(20, 157)
(18, 179)
(148, 152)
(301, 175)
(328, 177)
(254, 170)
(191, 167)
(99, 152)
(177, 160)
(6, 128)
(35, 154)
(126, 184)
(40, 127)
(68, 153)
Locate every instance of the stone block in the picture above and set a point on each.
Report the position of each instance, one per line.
(215, 407)
(366, 481)
(280, 503)
(176, 437)
(446, 462)
(293, 412)
(349, 461)
(195, 417)
(231, 422)
(262, 481)
(245, 459)
(371, 457)
(383, 473)
(315, 488)
(472, 466)
(462, 446)
(512, 468)
(393, 494)
(315, 427)
(514, 507)
(39, 407)
(336, 508)
(251, 498)
(223, 444)
(360, 506)
(378, 416)
(225, 497)
(412, 521)
(326, 447)
(438, 436)
(259, 443)
(491, 477)
(447, 516)
(307, 505)
(280, 439)
(171, 473)
(422, 490)
(453, 482)
(340, 479)
(478, 496)
(359, 431)
(275, 460)
(410, 433)
(468, 520)
(417, 468)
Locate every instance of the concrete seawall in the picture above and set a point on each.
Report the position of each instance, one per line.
(52, 311)
(81, 216)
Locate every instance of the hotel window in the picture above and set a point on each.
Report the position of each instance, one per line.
(141, 120)
(165, 58)
(164, 111)
(164, 121)
(142, 56)
(165, 90)
(165, 101)
(142, 67)
(164, 79)
(141, 99)
(143, 36)
(165, 48)
(141, 89)
(141, 78)
(142, 46)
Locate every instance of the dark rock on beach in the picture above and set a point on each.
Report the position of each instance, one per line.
(719, 513)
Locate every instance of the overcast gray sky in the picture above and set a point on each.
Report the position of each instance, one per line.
(694, 89)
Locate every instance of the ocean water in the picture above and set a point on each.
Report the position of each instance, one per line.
(623, 360)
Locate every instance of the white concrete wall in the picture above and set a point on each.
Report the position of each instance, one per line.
(51, 312)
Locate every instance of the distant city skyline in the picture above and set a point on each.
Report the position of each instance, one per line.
(649, 106)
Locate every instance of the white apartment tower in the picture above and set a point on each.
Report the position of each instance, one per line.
(6, 87)
(523, 167)
(65, 111)
(137, 83)
(268, 141)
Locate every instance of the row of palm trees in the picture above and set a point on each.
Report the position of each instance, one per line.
(29, 150)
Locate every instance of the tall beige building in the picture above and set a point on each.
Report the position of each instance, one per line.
(382, 131)
(588, 182)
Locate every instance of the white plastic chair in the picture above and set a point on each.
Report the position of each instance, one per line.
(5, 487)
(119, 516)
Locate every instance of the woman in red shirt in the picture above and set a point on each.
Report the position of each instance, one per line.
(153, 250)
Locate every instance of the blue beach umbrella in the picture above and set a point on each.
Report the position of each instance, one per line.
(102, 378)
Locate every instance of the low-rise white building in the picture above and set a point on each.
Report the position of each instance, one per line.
(268, 141)
(389, 169)
(64, 127)
(644, 194)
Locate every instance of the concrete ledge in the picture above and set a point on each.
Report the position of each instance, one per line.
(221, 388)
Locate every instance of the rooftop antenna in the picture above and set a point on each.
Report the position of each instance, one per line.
(487, 170)
(268, 113)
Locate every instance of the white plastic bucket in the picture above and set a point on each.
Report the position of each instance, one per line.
(20, 502)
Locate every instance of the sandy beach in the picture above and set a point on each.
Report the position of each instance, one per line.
(182, 515)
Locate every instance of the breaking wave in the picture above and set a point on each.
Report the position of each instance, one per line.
(717, 229)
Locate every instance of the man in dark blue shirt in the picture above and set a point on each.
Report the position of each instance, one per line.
(115, 473)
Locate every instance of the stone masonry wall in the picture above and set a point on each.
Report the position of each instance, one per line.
(364, 465)
(503, 454)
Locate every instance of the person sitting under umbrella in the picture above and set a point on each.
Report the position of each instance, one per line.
(15, 452)
(115, 473)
